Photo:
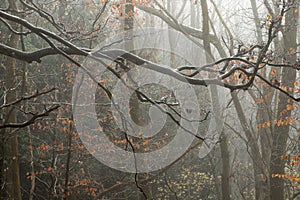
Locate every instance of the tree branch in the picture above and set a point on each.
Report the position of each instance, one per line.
(37, 55)
(187, 29)
(36, 94)
(46, 112)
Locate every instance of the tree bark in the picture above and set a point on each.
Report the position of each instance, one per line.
(258, 167)
(209, 58)
(13, 185)
(281, 133)
(257, 22)
(225, 168)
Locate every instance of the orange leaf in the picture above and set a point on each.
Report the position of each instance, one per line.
(289, 107)
(258, 126)
(268, 17)
(273, 71)
(260, 100)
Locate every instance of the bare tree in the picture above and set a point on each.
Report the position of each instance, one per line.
(239, 69)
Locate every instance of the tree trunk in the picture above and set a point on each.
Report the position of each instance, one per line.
(257, 22)
(13, 185)
(135, 109)
(258, 166)
(209, 58)
(225, 168)
(128, 26)
(281, 133)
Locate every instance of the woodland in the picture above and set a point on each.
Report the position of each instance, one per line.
(217, 82)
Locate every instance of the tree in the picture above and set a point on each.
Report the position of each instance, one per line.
(266, 70)
(11, 146)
